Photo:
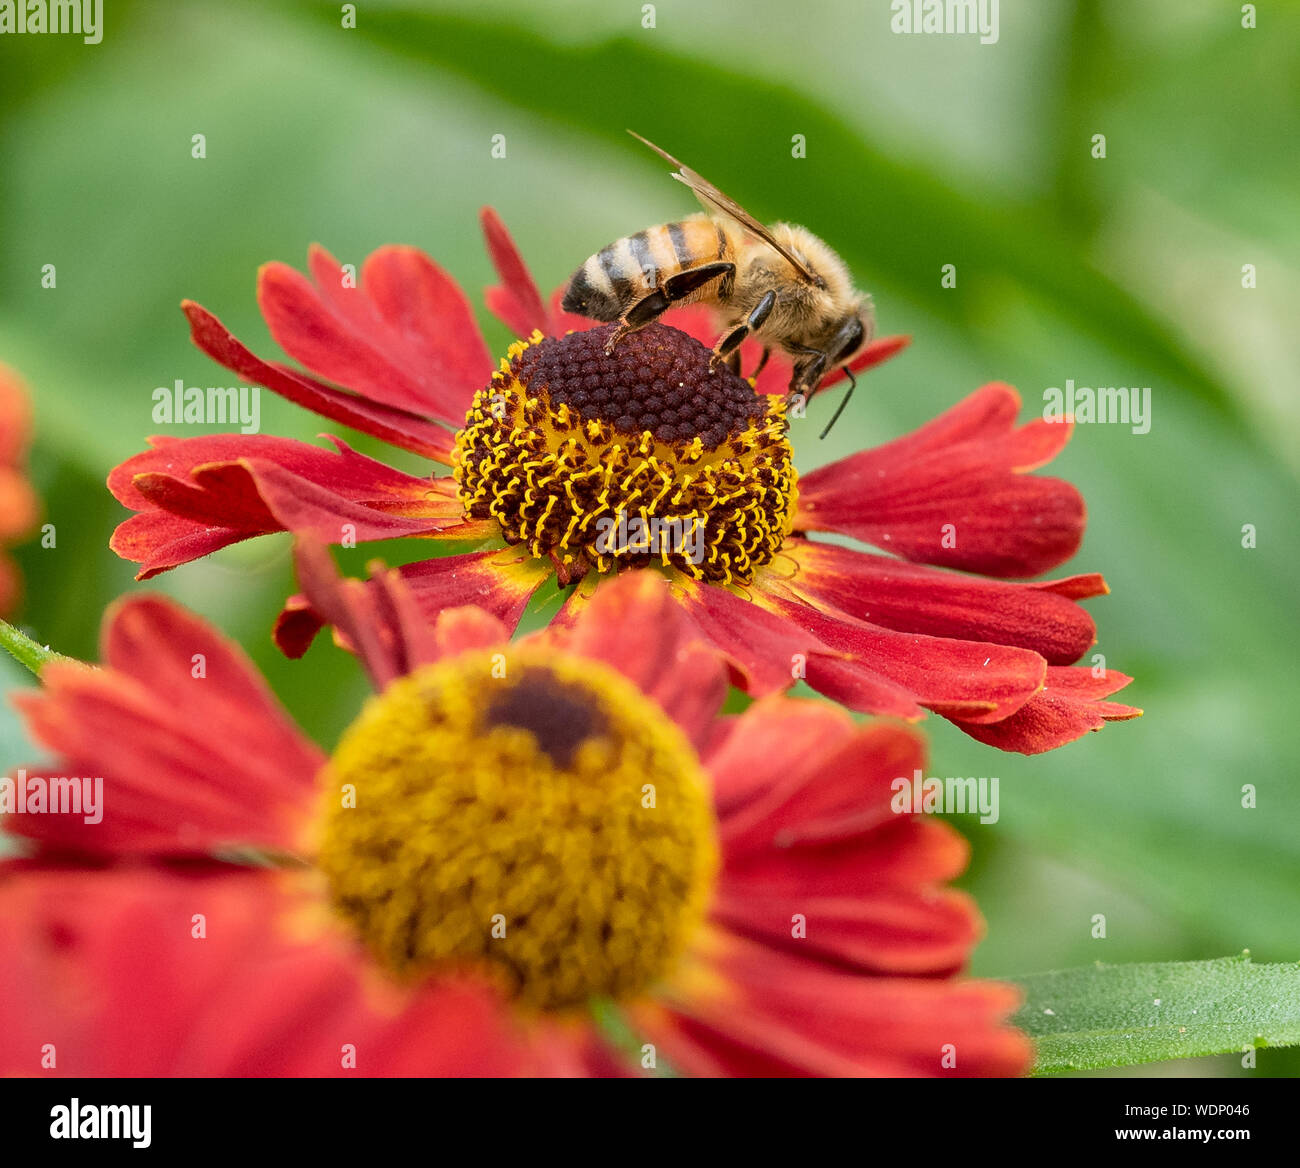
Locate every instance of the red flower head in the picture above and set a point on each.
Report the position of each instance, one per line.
(546, 857)
(18, 506)
(562, 446)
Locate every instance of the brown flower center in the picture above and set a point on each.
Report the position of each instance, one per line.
(643, 456)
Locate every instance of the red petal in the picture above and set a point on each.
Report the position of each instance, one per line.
(767, 652)
(761, 647)
(1068, 707)
(15, 417)
(106, 969)
(772, 743)
(516, 301)
(973, 680)
(405, 336)
(807, 827)
(227, 487)
(915, 599)
(193, 749)
(633, 624)
(19, 507)
(158, 541)
(754, 1011)
(499, 582)
(958, 481)
(380, 620)
(796, 773)
(410, 431)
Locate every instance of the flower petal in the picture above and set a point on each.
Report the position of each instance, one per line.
(772, 743)
(405, 336)
(915, 599)
(381, 622)
(194, 751)
(228, 487)
(815, 840)
(19, 507)
(1068, 707)
(766, 652)
(410, 431)
(633, 624)
(500, 582)
(954, 493)
(748, 1010)
(515, 301)
(973, 680)
(107, 969)
(15, 418)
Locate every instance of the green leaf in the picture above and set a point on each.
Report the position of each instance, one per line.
(27, 652)
(1118, 1015)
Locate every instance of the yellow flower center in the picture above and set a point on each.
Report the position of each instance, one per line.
(644, 456)
(530, 812)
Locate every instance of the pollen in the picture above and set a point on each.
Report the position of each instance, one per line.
(533, 816)
(641, 457)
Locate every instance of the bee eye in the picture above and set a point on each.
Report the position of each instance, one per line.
(852, 339)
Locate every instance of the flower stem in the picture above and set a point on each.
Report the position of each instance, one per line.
(619, 1033)
(26, 651)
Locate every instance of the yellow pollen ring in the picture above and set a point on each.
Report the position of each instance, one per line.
(558, 483)
(551, 826)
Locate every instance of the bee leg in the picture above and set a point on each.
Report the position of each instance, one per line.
(637, 317)
(807, 374)
(733, 362)
(730, 342)
(675, 288)
(762, 362)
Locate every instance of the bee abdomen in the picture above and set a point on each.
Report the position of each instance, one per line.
(592, 293)
(631, 268)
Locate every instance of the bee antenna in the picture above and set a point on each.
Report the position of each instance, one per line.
(835, 417)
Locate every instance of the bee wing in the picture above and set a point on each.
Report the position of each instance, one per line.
(713, 199)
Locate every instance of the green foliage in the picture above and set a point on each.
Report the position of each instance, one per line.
(1118, 1015)
(24, 650)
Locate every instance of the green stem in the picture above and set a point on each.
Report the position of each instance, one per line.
(620, 1034)
(26, 651)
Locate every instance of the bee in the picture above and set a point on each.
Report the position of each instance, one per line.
(781, 284)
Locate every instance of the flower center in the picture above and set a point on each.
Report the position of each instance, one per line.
(638, 457)
(552, 824)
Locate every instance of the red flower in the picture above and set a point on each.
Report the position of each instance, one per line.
(882, 634)
(18, 506)
(125, 949)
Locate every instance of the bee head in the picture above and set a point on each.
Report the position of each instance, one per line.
(854, 332)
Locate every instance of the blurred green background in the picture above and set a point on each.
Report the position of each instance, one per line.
(921, 151)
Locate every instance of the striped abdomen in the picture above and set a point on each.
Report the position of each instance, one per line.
(631, 268)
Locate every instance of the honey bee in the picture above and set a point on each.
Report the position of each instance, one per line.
(781, 284)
